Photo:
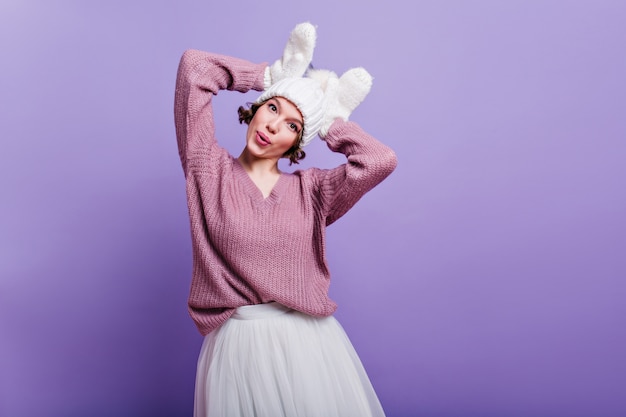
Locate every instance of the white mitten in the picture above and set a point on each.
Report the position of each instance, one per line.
(344, 95)
(296, 57)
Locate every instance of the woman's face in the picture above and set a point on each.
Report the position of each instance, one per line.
(274, 129)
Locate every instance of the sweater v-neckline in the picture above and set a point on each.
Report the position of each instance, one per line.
(253, 191)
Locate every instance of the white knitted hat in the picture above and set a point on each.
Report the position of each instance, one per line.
(307, 95)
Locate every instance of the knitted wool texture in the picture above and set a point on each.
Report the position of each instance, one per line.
(248, 249)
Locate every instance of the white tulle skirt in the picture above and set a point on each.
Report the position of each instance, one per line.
(270, 361)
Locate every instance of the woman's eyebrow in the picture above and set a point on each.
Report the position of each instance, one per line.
(295, 119)
(298, 121)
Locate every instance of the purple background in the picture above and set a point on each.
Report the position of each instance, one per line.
(485, 277)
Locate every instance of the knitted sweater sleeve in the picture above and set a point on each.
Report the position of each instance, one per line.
(200, 76)
(369, 163)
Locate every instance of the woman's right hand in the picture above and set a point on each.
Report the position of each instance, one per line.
(296, 57)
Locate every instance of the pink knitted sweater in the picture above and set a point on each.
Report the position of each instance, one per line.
(248, 249)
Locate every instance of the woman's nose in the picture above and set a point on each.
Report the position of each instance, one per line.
(272, 125)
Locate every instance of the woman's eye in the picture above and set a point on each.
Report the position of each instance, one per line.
(293, 127)
(272, 107)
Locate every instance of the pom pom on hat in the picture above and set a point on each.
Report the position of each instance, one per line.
(307, 95)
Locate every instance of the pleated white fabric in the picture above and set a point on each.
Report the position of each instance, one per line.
(270, 361)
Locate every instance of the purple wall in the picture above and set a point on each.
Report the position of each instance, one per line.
(486, 277)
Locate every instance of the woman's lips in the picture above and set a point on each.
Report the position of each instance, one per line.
(262, 140)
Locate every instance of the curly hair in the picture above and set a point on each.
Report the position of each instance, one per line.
(295, 153)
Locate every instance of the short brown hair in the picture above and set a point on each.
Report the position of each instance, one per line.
(295, 153)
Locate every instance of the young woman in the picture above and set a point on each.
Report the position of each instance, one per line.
(259, 291)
